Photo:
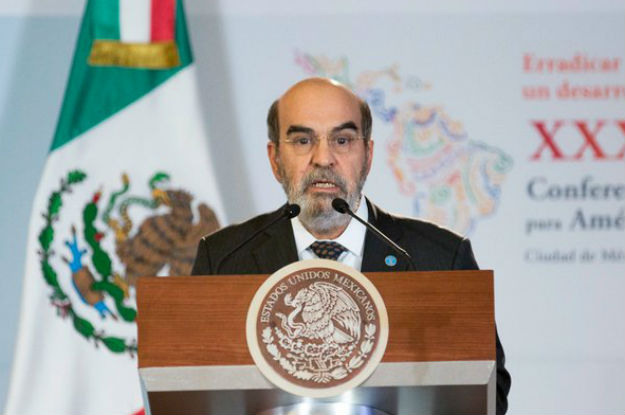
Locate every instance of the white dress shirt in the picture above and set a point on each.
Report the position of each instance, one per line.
(353, 238)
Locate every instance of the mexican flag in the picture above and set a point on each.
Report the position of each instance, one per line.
(127, 190)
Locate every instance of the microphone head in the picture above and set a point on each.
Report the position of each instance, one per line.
(340, 205)
(291, 210)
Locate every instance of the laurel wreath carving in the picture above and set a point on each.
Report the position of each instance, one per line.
(58, 297)
(336, 373)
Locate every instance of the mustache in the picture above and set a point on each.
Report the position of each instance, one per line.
(326, 175)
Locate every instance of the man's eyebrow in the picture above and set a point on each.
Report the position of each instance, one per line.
(349, 125)
(299, 129)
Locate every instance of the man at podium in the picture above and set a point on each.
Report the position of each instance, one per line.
(320, 149)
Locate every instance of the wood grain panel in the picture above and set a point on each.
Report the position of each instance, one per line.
(433, 316)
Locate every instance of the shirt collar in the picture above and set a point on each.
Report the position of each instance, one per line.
(353, 238)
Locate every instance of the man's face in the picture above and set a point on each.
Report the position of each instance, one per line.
(313, 179)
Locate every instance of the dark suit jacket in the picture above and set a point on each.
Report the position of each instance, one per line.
(432, 249)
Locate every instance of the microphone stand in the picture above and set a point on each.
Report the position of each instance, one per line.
(341, 206)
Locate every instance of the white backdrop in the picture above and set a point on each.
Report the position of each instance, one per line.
(455, 135)
(561, 320)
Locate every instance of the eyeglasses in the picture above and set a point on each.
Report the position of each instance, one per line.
(340, 142)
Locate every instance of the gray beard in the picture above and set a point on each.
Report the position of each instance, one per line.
(317, 214)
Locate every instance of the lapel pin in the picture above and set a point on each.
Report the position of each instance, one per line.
(390, 260)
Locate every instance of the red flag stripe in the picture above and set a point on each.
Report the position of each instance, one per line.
(163, 20)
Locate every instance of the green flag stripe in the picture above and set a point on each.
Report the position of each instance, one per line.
(105, 17)
(95, 93)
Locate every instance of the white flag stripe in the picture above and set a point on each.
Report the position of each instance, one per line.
(135, 20)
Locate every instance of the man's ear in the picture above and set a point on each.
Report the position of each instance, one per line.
(274, 159)
(369, 151)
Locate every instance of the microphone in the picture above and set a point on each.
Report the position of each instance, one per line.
(341, 206)
(289, 211)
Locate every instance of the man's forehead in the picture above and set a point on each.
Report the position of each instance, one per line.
(318, 102)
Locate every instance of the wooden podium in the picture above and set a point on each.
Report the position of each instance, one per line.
(440, 357)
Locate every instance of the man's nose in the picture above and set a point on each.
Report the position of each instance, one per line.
(322, 154)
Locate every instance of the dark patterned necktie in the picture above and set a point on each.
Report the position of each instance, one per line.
(327, 249)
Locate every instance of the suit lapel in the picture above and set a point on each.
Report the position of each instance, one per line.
(376, 252)
(277, 249)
